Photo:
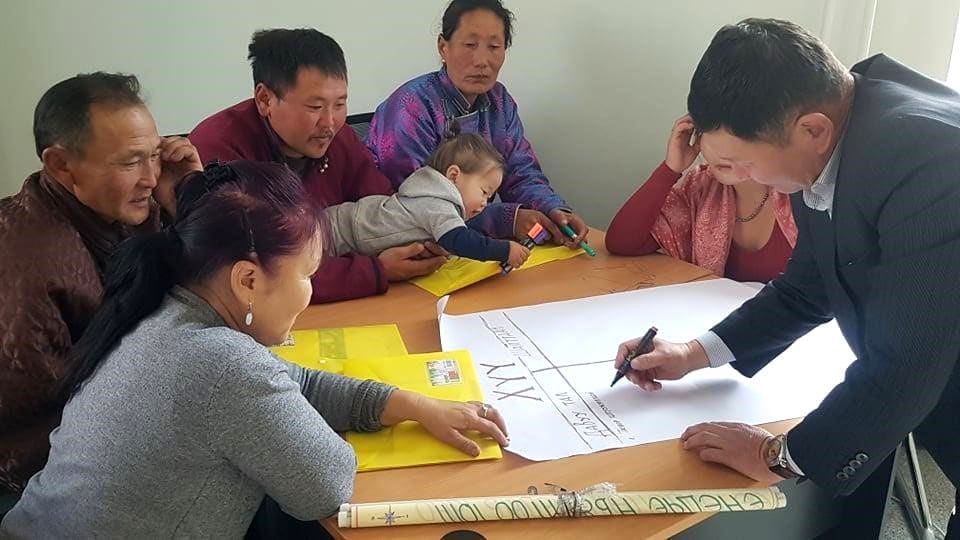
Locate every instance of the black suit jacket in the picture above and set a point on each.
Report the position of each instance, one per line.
(885, 266)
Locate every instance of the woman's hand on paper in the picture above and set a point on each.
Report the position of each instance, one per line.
(446, 420)
(738, 446)
(666, 362)
(449, 420)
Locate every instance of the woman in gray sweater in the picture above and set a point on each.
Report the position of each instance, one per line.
(179, 419)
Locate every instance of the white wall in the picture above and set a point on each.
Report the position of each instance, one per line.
(598, 83)
(919, 33)
(190, 56)
(953, 72)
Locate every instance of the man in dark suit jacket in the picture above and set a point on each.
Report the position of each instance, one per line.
(872, 158)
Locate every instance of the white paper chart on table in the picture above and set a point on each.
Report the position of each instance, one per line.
(548, 368)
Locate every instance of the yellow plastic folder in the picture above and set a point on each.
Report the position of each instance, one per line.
(445, 375)
(327, 348)
(459, 272)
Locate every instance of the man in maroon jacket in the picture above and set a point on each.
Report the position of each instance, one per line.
(296, 115)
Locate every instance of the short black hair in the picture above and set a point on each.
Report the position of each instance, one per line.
(62, 115)
(757, 73)
(277, 55)
(458, 8)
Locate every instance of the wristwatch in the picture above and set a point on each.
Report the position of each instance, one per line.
(775, 453)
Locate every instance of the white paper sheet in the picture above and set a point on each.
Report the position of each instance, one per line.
(548, 369)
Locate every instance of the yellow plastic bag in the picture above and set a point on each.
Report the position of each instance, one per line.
(327, 348)
(444, 375)
(459, 272)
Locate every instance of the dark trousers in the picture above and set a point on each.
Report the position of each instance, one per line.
(938, 434)
(271, 522)
(862, 511)
(861, 514)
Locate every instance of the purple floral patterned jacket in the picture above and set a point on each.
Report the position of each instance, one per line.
(409, 125)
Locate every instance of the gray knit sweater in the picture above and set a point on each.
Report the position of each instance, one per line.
(182, 430)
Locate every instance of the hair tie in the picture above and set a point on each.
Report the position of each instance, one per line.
(217, 173)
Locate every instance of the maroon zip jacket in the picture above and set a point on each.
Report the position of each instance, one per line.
(239, 132)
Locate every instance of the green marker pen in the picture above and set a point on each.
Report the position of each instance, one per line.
(568, 230)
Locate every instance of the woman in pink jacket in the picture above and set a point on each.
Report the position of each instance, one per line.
(715, 216)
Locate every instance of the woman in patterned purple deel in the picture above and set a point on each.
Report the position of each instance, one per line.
(409, 125)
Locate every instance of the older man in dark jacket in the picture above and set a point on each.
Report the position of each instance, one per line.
(105, 174)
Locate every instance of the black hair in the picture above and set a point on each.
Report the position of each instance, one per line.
(277, 55)
(458, 8)
(757, 73)
(245, 210)
(62, 115)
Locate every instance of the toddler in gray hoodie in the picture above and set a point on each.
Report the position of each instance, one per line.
(432, 204)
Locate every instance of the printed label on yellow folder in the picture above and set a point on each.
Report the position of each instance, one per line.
(327, 348)
(445, 375)
(459, 272)
(446, 371)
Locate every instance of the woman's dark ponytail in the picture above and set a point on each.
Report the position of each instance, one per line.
(142, 272)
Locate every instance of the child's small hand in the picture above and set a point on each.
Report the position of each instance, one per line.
(518, 255)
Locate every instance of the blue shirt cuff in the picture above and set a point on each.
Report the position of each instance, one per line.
(717, 351)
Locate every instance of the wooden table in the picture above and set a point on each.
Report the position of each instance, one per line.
(662, 465)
